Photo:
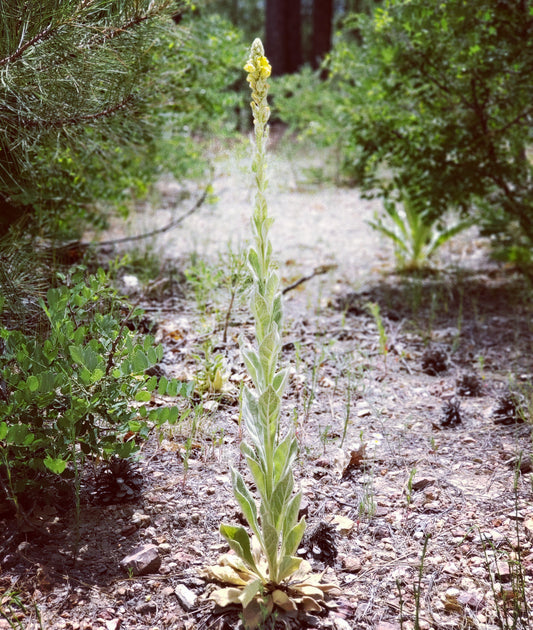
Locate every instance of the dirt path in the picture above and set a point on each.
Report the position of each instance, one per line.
(315, 223)
(416, 477)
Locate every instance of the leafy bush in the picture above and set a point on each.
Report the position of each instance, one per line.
(436, 100)
(69, 394)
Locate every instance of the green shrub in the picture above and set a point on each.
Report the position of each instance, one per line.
(81, 389)
(436, 100)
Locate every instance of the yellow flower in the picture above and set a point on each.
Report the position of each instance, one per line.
(257, 65)
(264, 67)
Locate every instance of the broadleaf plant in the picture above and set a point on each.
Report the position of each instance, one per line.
(264, 571)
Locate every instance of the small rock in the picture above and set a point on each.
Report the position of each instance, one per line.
(502, 571)
(140, 519)
(385, 625)
(304, 508)
(422, 483)
(9, 561)
(165, 548)
(181, 519)
(343, 524)
(472, 600)
(128, 530)
(167, 591)
(143, 560)
(341, 624)
(352, 564)
(24, 547)
(186, 597)
(146, 608)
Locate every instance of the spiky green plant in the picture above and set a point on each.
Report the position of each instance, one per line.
(415, 234)
(263, 563)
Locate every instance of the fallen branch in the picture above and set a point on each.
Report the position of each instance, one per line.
(317, 271)
(169, 226)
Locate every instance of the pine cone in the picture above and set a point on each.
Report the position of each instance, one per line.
(320, 543)
(468, 384)
(118, 480)
(452, 413)
(509, 409)
(434, 360)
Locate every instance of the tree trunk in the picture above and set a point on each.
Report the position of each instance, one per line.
(283, 35)
(294, 35)
(322, 26)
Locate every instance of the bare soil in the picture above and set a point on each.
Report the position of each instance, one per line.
(416, 479)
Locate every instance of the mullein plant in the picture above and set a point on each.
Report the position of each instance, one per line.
(264, 573)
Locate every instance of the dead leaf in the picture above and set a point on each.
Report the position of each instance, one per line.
(281, 599)
(344, 524)
(225, 596)
(224, 574)
(309, 604)
(256, 611)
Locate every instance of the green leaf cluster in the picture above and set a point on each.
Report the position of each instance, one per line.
(415, 232)
(80, 389)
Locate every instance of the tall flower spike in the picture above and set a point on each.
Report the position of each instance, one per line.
(264, 567)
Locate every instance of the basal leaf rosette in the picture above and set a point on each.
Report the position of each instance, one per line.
(305, 590)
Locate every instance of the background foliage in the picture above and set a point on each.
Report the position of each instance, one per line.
(70, 392)
(431, 100)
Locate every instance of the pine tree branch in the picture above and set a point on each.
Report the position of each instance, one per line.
(44, 34)
(80, 119)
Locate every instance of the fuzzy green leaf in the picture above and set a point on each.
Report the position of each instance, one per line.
(291, 515)
(245, 500)
(284, 456)
(269, 407)
(250, 591)
(279, 499)
(253, 260)
(270, 538)
(259, 475)
(279, 381)
(239, 541)
(288, 566)
(253, 365)
(293, 539)
(269, 350)
(256, 466)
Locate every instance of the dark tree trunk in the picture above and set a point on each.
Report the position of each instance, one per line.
(283, 35)
(294, 35)
(322, 26)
